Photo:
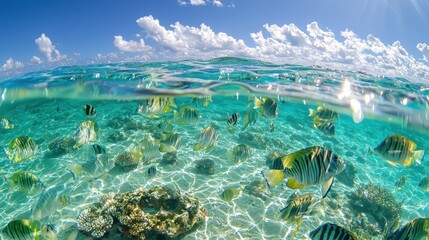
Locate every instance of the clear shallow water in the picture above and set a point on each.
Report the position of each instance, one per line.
(46, 105)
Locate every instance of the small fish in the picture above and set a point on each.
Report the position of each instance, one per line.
(202, 101)
(330, 231)
(150, 148)
(240, 153)
(51, 200)
(5, 124)
(95, 166)
(170, 142)
(397, 149)
(418, 228)
(401, 182)
(269, 108)
(297, 206)
(323, 114)
(272, 127)
(424, 184)
(48, 232)
(232, 120)
(152, 107)
(229, 194)
(166, 126)
(89, 111)
(26, 182)
(208, 138)
(98, 149)
(187, 115)
(306, 167)
(151, 171)
(327, 128)
(21, 148)
(23, 229)
(86, 133)
(250, 117)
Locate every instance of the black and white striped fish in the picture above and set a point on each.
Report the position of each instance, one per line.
(151, 171)
(330, 231)
(418, 228)
(232, 120)
(89, 111)
(21, 148)
(306, 167)
(26, 182)
(98, 149)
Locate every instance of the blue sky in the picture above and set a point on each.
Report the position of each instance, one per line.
(324, 32)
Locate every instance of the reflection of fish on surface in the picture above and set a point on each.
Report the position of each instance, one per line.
(330, 231)
(26, 229)
(95, 166)
(187, 115)
(26, 182)
(240, 153)
(250, 117)
(208, 138)
(306, 167)
(170, 142)
(50, 200)
(21, 148)
(268, 106)
(418, 228)
(297, 206)
(86, 133)
(397, 149)
(153, 107)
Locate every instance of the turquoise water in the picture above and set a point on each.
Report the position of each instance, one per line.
(48, 105)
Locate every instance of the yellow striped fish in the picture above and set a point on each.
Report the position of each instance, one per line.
(21, 148)
(50, 200)
(323, 114)
(23, 229)
(5, 124)
(424, 184)
(397, 149)
(150, 148)
(269, 108)
(86, 133)
(240, 153)
(154, 106)
(330, 231)
(207, 139)
(94, 167)
(229, 194)
(26, 182)
(296, 207)
(418, 228)
(170, 142)
(187, 115)
(306, 167)
(250, 117)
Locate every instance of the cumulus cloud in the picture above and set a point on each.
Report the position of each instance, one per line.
(216, 3)
(424, 49)
(36, 59)
(130, 46)
(290, 44)
(11, 64)
(48, 49)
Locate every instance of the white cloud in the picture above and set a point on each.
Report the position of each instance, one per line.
(197, 2)
(424, 49)
(11, 64)
(36, 59)
(217, 3)
(48, 49)
(130, 46)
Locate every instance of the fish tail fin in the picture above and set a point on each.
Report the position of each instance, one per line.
(76, 169)
(327, 186)
(257, 103)
(312, 112)
(418, 156)
(273, 177)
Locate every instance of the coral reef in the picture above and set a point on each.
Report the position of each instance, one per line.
(157, 213)
(377, 205)
(127, 161)
(205, 166)
(169, 158)
(61, 146)
(257, 188)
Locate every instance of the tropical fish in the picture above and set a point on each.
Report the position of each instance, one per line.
(323, 114)
(327, 128)
(23, 229)
(207, 140)
(309, 166)
(401, 182)
(170, 142)
(397, 149)
(21, 148)
(297, 206)
(187, 115)
(272, 127)
(232, 120)
(166, 126)
(89, 111)
(330, 231)
(202, 101)
(250, 117)
(151, 171)
(229, 194)
(98, 149)
(418, 228)
(269, 108)
(5, 124)
(86, 133)
(152, 107)
(150, 148)
(50, 200)
(424, 184)
(48, 232)
(240, 153)
(26, 182)
(95, 166)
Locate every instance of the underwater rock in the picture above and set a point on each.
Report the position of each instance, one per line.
(377, 204)
(257, 188)
(169, 158)
(126, 161)
(205, 166)
(347, 177)
(116, 136)
(253, 140)
(61, 146)
(157, 213)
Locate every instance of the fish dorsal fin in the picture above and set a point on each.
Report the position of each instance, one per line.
(294, 184)
(326, 186)
(288, 160)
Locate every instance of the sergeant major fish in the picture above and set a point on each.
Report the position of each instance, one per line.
(269, 108)
(21, 148)
(26, 182)
(25, 229)
(297, 206)
(323, 114)
(397, 149)
(240, 153)
(309, 166)
(51, 200)
(208, 138)
(187, 115)
(152, 107)
(86, 133)
(95, 166)
(330, 231)
(170, 142)
(418, 228)
(229, 194)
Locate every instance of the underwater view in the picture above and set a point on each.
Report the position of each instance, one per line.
(226, 148)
